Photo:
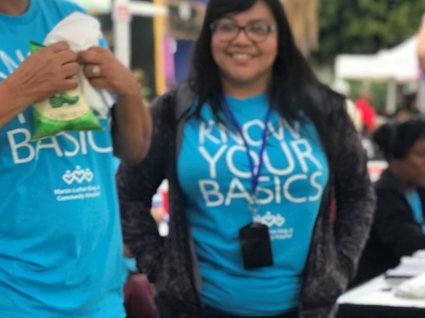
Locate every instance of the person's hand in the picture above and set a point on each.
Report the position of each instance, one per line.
(126, 251)
(43, 74)
(104, 70)
(132, 125)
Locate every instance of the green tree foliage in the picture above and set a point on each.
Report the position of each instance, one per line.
(365, 26)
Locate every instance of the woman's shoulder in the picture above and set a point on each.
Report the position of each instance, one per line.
(168, 108)
(178, 98)
(388, 182)
(325, 99)
(64, 6)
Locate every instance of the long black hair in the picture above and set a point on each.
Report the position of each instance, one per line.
(292, 77)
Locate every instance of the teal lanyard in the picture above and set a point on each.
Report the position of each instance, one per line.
(416, 206)
(255, 173)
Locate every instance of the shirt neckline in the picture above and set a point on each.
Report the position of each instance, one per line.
(24, 18)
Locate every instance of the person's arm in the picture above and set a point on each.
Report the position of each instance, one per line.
(421, 44)
(132, 126)
(136, 186)
(12, 101)
(41, 75)
(395, 226)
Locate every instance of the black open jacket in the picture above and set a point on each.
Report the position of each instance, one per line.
(395, 232)
(336, 244)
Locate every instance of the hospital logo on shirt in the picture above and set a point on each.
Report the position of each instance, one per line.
(275, 223)
(78, 185)
(78, 175)
(270, 219)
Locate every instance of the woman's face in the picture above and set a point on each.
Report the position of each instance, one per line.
(412, 168)
(245, 57)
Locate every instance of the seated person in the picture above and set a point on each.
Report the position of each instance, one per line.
(399, 228)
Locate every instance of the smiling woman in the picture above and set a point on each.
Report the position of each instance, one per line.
(244, 47)
(254, 148)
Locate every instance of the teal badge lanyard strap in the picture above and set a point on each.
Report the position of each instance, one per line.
(255, 173)
(416, 206)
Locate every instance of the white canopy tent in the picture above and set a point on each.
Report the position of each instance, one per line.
(396, 65)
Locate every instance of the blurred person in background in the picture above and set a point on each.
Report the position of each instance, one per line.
(343, 88)
(354, 115)
(398, 228)
(420, 101)
(255, 150)
(60, 236)
(421, 44)
(367, 111)
(407, 109)
(368, 120)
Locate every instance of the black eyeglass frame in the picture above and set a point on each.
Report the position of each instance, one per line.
(270, 29)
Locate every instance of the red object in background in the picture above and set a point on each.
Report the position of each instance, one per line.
(165, 200)
(368, 114)
(375, 168)
(163, 190)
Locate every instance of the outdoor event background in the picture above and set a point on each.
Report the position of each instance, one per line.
(326, 32)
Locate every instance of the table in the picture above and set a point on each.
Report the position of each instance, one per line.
(375, 299)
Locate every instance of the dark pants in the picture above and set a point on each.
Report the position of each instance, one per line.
(214, 313)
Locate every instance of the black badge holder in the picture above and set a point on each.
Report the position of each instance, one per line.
(255, 246)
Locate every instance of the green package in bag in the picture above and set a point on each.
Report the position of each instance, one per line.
(63, 112)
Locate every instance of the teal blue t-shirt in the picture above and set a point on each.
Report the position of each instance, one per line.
(60, 237)
(213, 169)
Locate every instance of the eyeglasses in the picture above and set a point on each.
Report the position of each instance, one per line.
(256, 31)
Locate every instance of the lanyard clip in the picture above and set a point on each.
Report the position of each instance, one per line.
(253, 206)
